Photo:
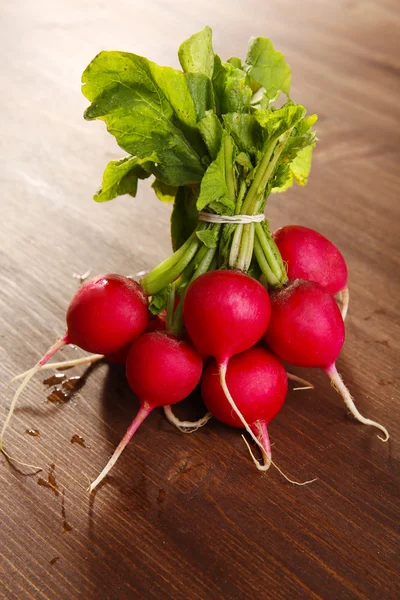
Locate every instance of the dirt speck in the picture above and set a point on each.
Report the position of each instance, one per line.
(51, 482)
(77, 439)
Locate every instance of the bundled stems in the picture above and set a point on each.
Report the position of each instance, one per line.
(194, 258)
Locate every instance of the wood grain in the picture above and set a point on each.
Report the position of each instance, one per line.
(188, 517)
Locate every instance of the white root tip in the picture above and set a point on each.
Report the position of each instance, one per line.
(65, 364)
(185, 426)
(307, 385)
(340, 387)
(28, 376)
(11, 459)
(260, 466)
(344, 296)
(292, 481)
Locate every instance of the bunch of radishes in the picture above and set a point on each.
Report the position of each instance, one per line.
(232, 300)
(236, 334)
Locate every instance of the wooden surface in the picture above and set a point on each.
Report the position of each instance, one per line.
(189, 517)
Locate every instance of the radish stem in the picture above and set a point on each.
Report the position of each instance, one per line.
(340, 387)
(186, 426)
(137, 421)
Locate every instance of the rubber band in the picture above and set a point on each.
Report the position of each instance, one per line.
(238, 219)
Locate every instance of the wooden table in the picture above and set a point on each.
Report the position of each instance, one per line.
(189, 517)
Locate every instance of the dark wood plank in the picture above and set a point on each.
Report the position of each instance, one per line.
(188, 516)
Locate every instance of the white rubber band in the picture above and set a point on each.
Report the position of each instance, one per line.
(239, 219)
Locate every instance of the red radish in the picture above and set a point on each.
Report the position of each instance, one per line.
(161, 370)
(311, 256)
(307, 330)
(106, 313)
(226, 312)
(258, 383)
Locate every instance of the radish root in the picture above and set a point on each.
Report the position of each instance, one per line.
(262, 433)
(137, 421)
(28, 376)
(307, 385)
(65, 364)
(222, 378)
(186, 426)
(19, 462)
(340, 387)
(260, 429)
(344, 296)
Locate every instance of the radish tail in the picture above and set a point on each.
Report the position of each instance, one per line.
(186, 426)
(64, 364)
(29, 374)
(19, 462)
(222, 378)
(306, 384)
(261, 426)
(340, 387)
(260, 430)
(344, 295)
(137, 421)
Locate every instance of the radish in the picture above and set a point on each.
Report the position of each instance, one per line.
(311, 256)
(258, 383)
(161, 370)
(106, 314)
(226, 312)
(307, 330)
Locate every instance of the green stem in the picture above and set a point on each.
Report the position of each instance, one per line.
(177, 326)
(173, 266)
(264, 266)
(235, 246)
(253, 192)
(268, 245)
(170, 310)
(246, 248)
(229, 175)
(239, 201)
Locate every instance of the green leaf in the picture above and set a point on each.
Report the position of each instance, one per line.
(235, 62)
(232, 93)
(285, 186)
(196, 54)
(209, 237)
(244, 161)
(245, 130)
(121, 177)
(159, 301)
(297, 156)
(148, 109)
(301, 165)
(267, 67)
(211, 131)
(164, 192)
(214, 190)
(279, 121)
(184, 216)
(201, 91)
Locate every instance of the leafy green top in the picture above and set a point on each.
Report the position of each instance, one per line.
(204, 132)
